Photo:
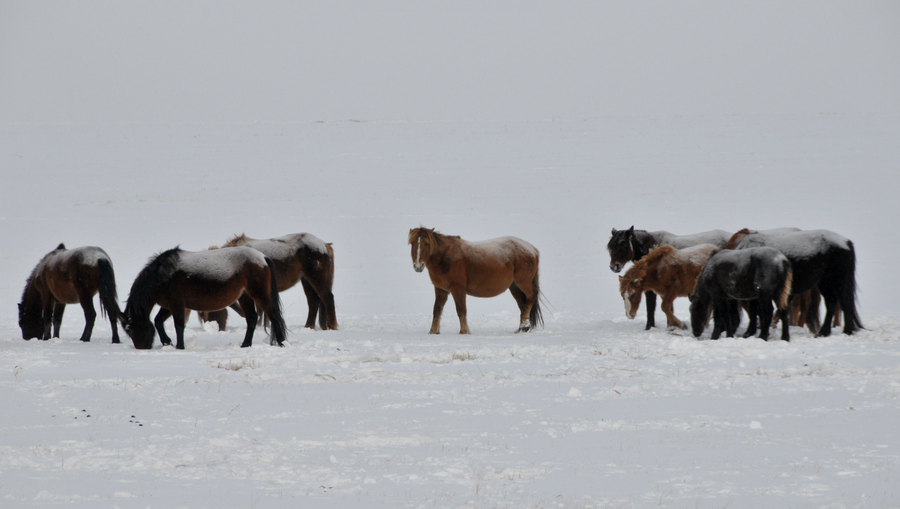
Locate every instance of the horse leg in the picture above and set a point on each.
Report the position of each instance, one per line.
(830, 297)
(650, 297)
(524, 308)
(178, 318)
(440, 298)
(785, 326)
(765, 317)
(669, 309)
(312, 300)
(812, 311)
(58, 309)
(720, 321)
(751, 318)
(321, 290)
(160, 323)
(47, 317)
(90, 315)
(459, 298)
(250, 315)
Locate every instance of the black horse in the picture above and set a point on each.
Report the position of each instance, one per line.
(760, 274)
(178, 280)
(631, 245)
(820, 259)
(69, 276)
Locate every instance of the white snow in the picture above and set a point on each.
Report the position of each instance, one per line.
(589, 412)
(218, 264)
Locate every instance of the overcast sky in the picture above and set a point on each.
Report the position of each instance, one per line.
(299, 61)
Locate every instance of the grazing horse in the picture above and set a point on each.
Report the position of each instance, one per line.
(481, 269)
(822, 260)
(631, 245)
(69, 276)
(305, 258)
(205, 281)
(759, 274)
(667, 271)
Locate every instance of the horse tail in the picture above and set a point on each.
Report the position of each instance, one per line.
(784, 298)
(535, 316)
(276, 317)
(847, 296)
(109, 300)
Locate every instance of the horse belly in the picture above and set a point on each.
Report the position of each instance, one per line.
(65, 291)
(210, 295)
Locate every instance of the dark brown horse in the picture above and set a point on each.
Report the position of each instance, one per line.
(480, 269)
(305, 258)
(762, 275)
(631, 245)
(177, 280)
(667, 271)
(69, 276)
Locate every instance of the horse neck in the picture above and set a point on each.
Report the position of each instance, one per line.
(641, 243)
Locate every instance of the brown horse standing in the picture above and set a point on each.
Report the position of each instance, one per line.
(667, 271)
(480, 269)
(69, 276)
(305, 258)
(177, 280)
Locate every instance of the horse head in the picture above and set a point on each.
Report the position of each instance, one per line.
(31, 323)
(141, 332)
(620, 249)
(422, 243)
(631, 290)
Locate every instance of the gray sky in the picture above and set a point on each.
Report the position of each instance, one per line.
(299, 61)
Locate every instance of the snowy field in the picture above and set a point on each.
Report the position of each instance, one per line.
(589, 412)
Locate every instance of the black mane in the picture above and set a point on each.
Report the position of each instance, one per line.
(157, 270)
(34, 270)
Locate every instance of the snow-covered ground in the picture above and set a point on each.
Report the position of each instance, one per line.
(590, 411)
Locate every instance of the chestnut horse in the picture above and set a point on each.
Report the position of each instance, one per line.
(667, 271)
(305, 258)
(480, 269)
(631, 245)
(760, 274)
(177, 280)
(69, 276)
(821, 260)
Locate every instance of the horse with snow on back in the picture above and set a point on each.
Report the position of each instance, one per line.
(631, 245)
(305, 258)
(667, 271)
(760, 274)
(178, 280)
(69, 276)
(480, 269)
(822, 260)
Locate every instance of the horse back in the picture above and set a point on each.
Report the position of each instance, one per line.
(71, 274)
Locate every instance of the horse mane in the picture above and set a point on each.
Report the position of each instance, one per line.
(639, 268)
(28, 281)
(237, 240)
(160, 267)
(435, 237)
(736, 238)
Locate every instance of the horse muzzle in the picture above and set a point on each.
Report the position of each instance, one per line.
(615, 267)
(419, 267)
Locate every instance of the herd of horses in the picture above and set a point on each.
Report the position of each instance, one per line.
(720, 272)
(782, 268)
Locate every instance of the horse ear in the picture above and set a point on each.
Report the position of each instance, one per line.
(613, 231)
(631, 230)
